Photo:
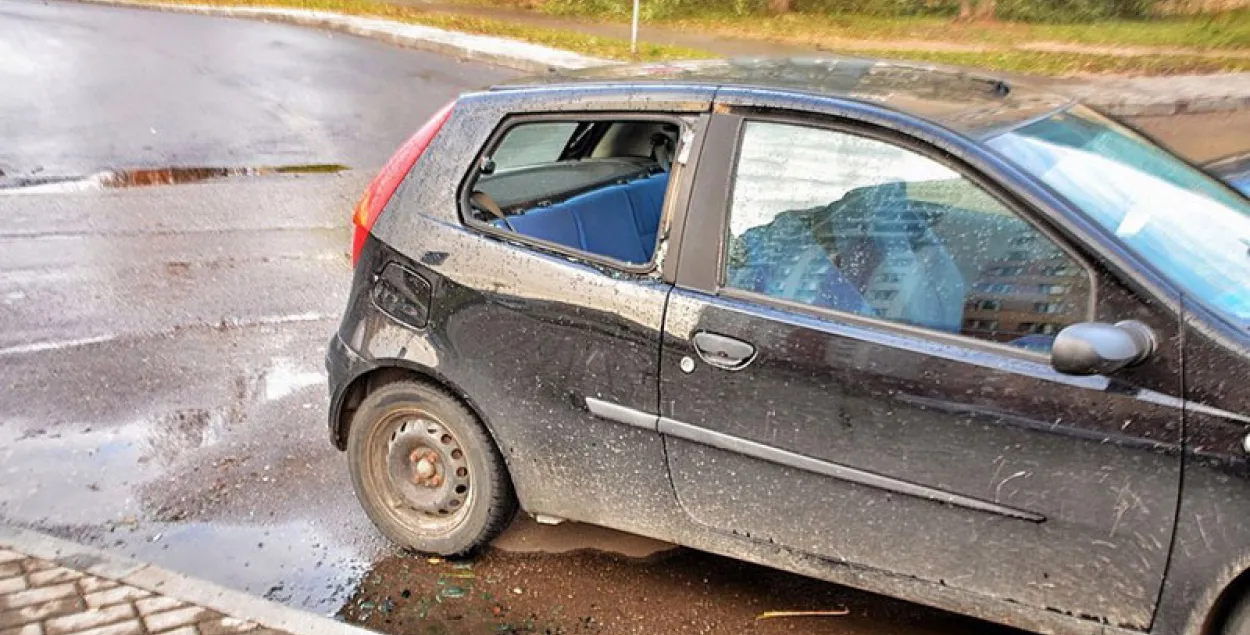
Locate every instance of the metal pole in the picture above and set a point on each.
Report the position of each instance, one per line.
(633, 37)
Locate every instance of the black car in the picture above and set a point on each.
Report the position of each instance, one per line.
(911, 330)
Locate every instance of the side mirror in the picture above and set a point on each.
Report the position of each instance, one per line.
(1098, 348)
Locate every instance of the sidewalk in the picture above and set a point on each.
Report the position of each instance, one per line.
(50, 586)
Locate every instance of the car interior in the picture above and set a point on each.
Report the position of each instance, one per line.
(594, 186)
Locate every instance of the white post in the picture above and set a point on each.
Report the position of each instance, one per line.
(633, 37)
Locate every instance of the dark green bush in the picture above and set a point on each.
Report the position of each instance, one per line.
(882, 8)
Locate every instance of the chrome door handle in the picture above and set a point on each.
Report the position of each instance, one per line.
(723, 352)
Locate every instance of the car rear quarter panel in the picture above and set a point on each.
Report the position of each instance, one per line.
(523, 337)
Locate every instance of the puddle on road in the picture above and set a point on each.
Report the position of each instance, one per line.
(75, 474)
(146, 177)
(175, 176)
(682, 592)
(236, 493)
(296, 563)
(525, 535)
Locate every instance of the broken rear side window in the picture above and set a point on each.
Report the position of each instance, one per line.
(596, 186)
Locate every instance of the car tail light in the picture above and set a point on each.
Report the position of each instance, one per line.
(383, 185)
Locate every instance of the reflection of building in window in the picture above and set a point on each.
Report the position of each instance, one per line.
(1033, 289)
(982, 325)
(782, 260)
(1038, 328)
(882, 290)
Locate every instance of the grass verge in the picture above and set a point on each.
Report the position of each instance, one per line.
(1224, 31)
(1058, 64)
(1029, 62)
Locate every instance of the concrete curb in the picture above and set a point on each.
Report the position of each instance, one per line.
(1116, 96)
(175, 585)
(508, 53)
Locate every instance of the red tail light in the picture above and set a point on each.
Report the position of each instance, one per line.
(383, 185)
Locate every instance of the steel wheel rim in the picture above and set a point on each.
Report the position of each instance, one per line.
(423, 471)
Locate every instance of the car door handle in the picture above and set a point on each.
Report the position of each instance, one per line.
(723, 352)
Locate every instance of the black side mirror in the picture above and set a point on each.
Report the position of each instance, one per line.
(1098, 348)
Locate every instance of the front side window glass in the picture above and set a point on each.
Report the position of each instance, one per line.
(844, 222)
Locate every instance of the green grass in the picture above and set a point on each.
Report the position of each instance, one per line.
(1230, 29)
(1225, 31)
(1065, 64)
(1043, 63)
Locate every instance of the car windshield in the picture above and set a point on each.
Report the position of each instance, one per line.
(1195, 230)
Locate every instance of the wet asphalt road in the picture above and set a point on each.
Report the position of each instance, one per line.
(86, 87)
(161, 383)
(162, 389)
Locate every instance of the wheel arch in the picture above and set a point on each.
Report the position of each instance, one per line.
(344, 407)
(1229, 598)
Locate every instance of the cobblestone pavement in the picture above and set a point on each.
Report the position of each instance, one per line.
(50, 586)
(38, 597)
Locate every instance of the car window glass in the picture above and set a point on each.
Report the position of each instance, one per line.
(852, 224)
(600, 192)
(1195, 230)
(532, 144)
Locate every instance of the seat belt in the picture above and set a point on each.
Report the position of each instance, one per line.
(483, 201)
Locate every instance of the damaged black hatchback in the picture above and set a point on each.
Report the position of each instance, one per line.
(902, 328)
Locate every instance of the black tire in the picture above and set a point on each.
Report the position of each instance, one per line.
(411, 449)
(1238, 622)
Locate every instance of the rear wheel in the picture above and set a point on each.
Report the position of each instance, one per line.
(425, 470)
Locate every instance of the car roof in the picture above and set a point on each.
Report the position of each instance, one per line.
(965, 101)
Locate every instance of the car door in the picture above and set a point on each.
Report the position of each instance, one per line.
(855, 366)
(553, 303)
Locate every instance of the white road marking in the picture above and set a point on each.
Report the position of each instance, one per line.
(267, 320)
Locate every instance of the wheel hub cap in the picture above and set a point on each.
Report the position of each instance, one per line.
(428, 468)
